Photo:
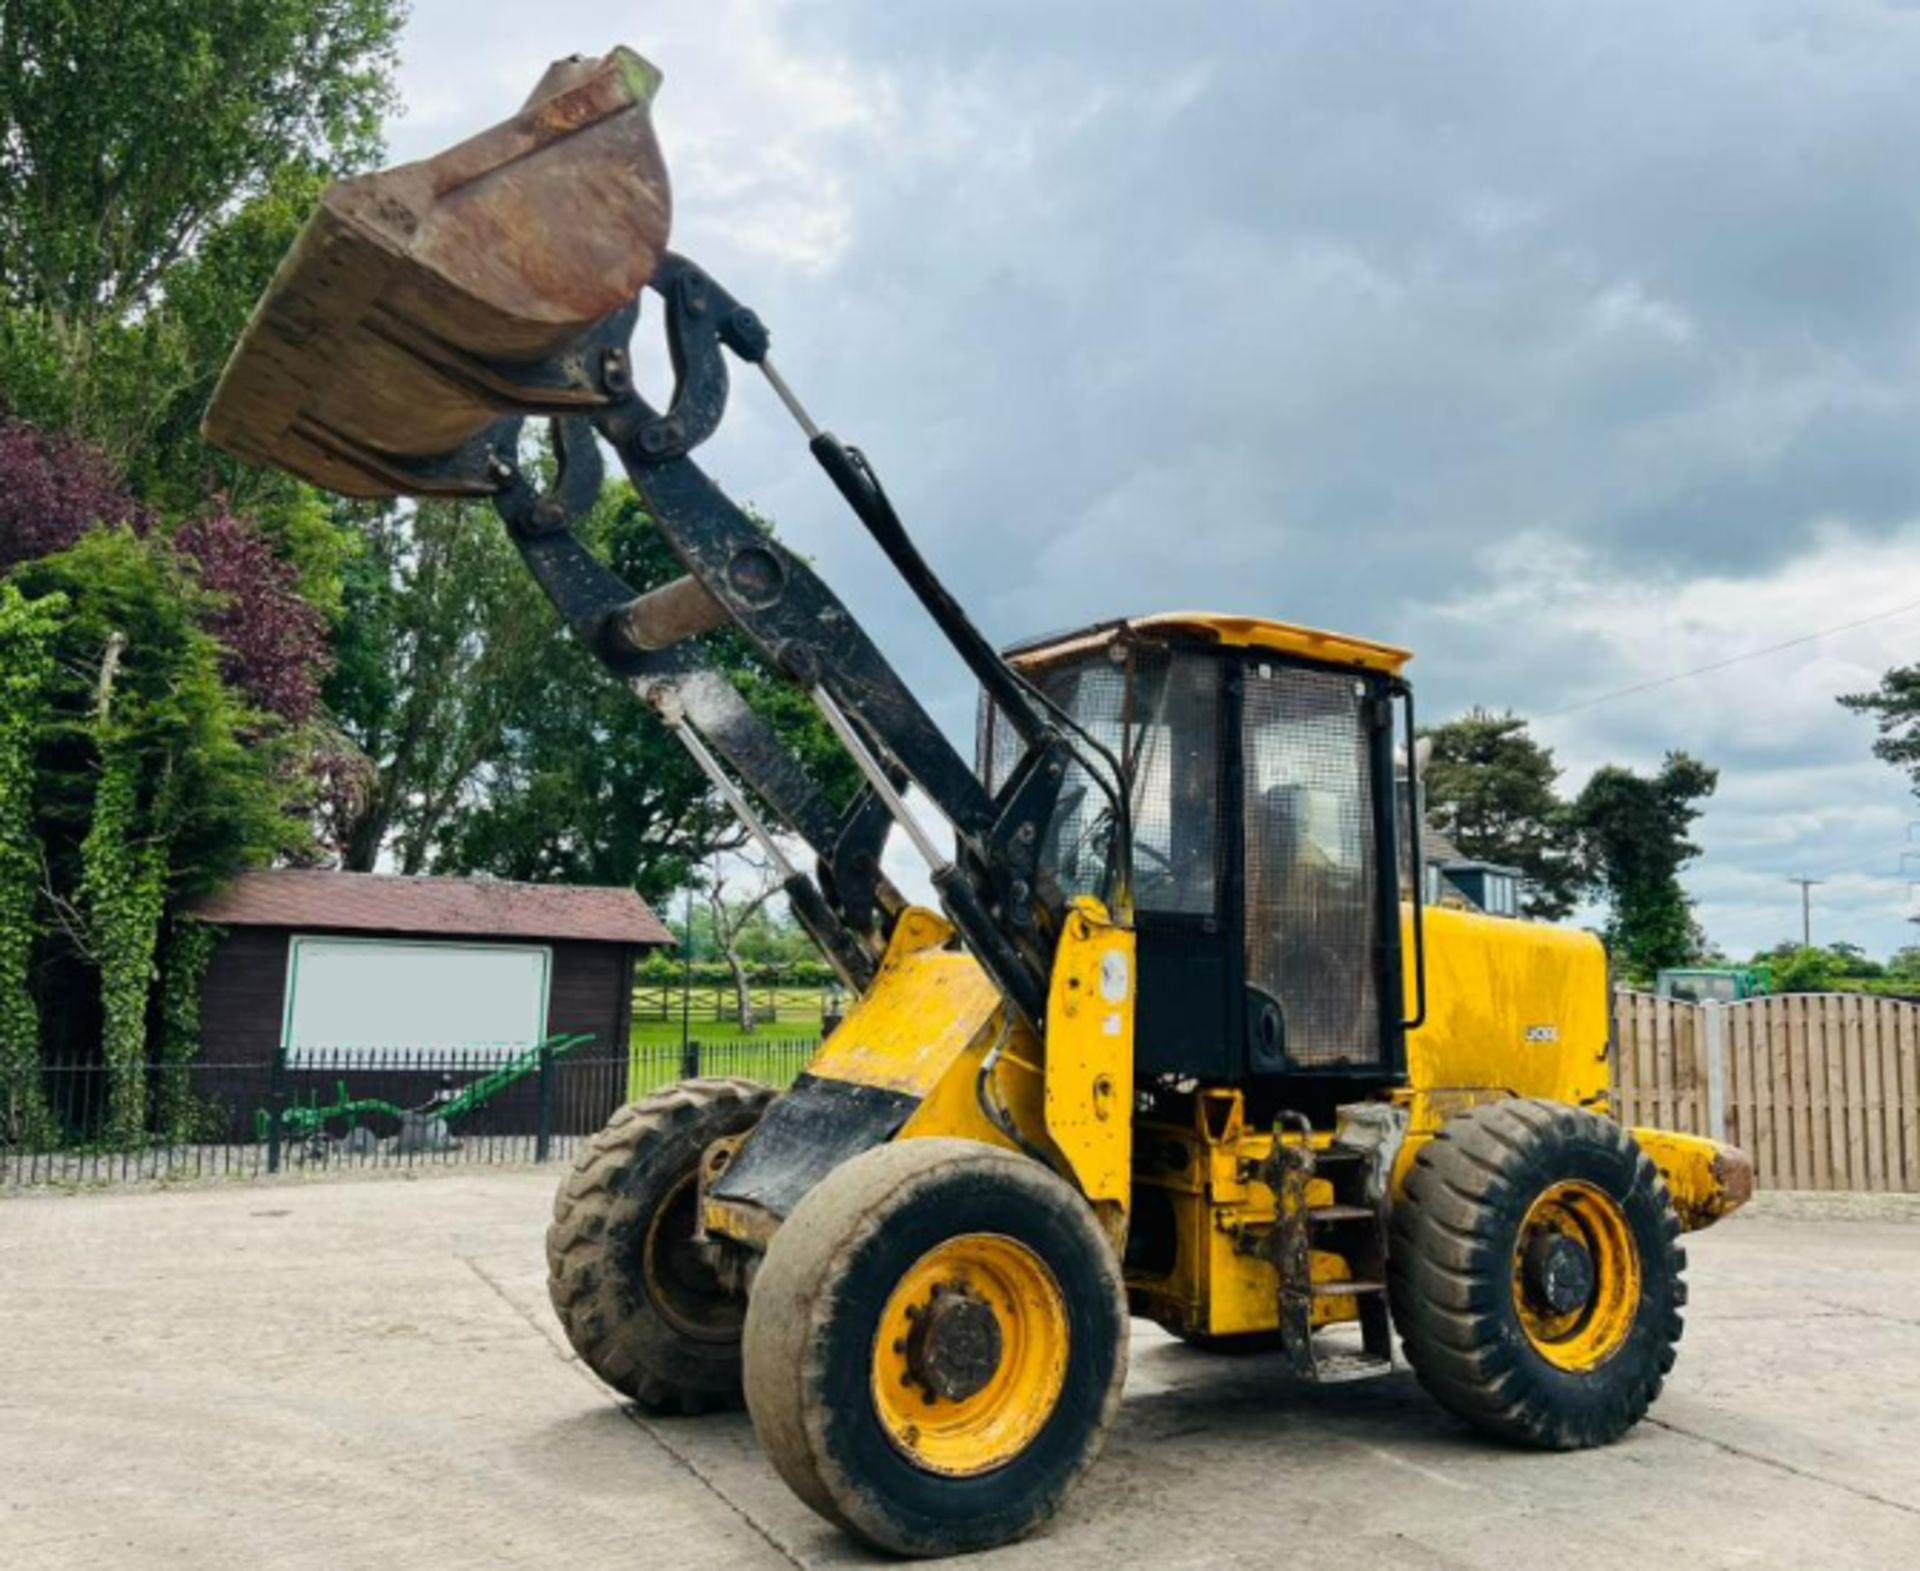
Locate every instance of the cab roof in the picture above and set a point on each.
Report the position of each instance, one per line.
(1237, 632)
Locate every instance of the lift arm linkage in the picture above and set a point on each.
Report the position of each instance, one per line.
(1006, 914)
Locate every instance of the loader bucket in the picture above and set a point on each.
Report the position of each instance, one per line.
(389, 333)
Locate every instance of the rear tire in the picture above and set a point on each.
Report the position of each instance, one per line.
(1535, 1274)
(640, 1305)
(935, 1346)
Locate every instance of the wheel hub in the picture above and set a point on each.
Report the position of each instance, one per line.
(1576, 1275)
(1558, 1273)
(970, 1354)
(956, 1344)
(681, 1282)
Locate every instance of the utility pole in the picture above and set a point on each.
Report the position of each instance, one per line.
(686, 973)
(1806, 908)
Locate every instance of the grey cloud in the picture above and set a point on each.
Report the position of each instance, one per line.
(1300, 309)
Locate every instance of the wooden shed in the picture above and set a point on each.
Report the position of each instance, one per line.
(324, 962)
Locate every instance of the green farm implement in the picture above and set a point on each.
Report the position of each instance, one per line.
(425, 1127)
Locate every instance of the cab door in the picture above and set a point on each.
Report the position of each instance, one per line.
(1315, 934)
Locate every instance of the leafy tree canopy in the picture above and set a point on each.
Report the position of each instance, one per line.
(495, 744)
(157, 159)
(1850, 960)
(1491, 789)
(134, 663)
(1805, 970)
(1895, 708)
(129, 128)
(273, 640)
(1635, 829)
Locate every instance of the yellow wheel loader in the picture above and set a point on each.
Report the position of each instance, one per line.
(1182, 1040)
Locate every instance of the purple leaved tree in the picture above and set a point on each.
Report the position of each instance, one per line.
(53, 489)
(276, 642)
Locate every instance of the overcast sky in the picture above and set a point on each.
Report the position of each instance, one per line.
(1572, 345)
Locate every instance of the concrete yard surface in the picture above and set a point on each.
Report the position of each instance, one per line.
(367, 1374)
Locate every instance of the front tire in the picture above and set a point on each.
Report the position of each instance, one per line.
(639, 1302)
(1536, 1274)
(935, 1346)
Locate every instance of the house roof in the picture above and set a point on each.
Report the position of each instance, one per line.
(450, 907)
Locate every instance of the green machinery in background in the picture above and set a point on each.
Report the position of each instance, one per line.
(310, 1120)
(1714, 984)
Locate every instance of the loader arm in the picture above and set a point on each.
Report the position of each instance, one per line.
(738, 573)
(425, 312)
(704, 709)
(1033, 955)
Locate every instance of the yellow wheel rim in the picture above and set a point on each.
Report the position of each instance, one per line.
(1576, 1275)
(971, 1354)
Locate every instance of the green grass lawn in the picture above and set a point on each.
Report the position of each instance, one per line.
(775, 1051)
(652, 1034)
(772, 1063)
(784, 1012)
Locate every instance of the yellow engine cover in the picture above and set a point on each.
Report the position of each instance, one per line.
(1513, 1009)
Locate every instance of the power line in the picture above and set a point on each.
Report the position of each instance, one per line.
(1731, 660)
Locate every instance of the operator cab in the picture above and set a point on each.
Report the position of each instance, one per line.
(1265, 880)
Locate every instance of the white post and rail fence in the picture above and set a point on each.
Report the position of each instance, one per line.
(1822, 1090)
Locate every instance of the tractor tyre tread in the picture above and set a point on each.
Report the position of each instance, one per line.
(1450, 1274)
(591, 1245)
(814, 1276)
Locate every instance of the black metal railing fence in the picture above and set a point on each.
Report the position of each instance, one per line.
(334, 1109)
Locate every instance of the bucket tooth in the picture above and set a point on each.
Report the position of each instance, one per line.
(423, 302)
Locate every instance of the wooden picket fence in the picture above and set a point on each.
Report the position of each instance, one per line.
(1821, 1089)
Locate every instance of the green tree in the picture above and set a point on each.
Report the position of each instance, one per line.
(120, 898)
(443, 635)
(189, 948)
(1895, 708)
(158, 160)
(1804, 970)
(1904, 963)
(495, 744)
(1853, 962)
(210, 294)
(28, 629)
(153, 780)
(1634, 828)
(129, 132)
(1491, 789)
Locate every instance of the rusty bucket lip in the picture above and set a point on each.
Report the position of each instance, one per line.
(328, 381)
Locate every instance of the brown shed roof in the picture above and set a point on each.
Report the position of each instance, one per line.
(453, 907)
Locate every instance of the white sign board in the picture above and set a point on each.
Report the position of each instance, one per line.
(384, 998)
